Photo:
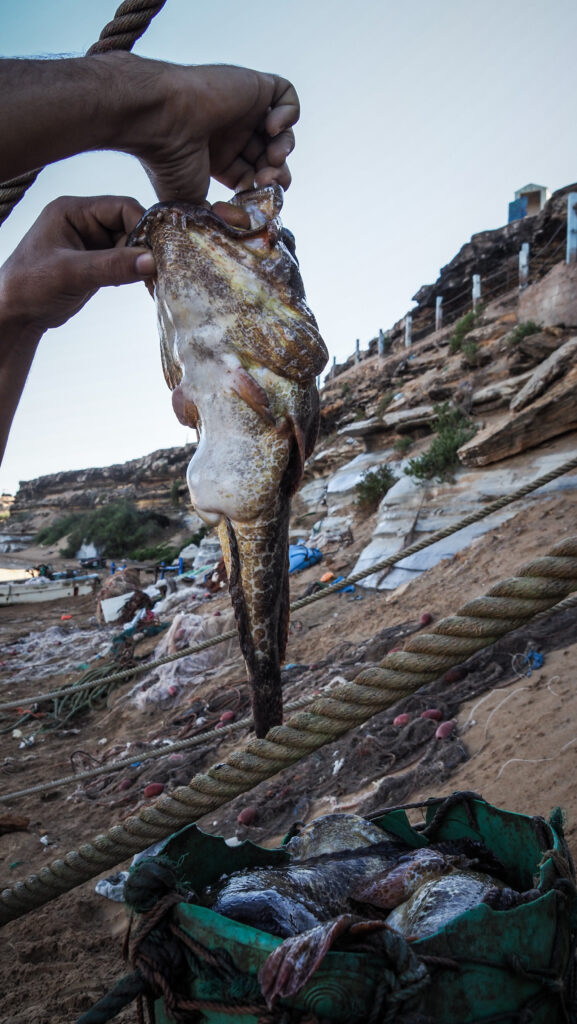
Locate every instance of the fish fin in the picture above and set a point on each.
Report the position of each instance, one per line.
(247, 389)
(398, 883)
(292, 964)
(185, 410)
(222, 531)
(385, 892)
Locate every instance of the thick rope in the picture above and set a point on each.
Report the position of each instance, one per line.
(540, 584)
(327, 591)
(130, 22)
(206, 739)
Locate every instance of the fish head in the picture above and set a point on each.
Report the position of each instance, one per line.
(334, 833)
(214, 279)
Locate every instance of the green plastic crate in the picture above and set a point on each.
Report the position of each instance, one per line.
(509, 962)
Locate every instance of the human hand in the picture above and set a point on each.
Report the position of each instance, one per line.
(75, 247)
(229, 123)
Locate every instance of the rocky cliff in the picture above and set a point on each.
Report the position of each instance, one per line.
(155, 481)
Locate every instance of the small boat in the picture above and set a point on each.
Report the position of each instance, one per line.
(41, 588)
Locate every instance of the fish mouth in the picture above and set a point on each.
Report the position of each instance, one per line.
(264, 225)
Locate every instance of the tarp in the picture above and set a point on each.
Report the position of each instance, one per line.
(301, 557)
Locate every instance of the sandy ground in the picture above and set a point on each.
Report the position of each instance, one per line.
(515, 744)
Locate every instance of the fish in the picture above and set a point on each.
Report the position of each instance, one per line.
(347, 879)
(331, 861)
(241, 352)
(436, 901)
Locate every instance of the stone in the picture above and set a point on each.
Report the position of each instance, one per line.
(500, 392)
(553, 299)
(548, 371)
(410, 419)
(550, 415)
(344, 481)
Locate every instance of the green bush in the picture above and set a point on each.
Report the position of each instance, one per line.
(522, 330)
(462, 327)
(453, 430)
(470, 353)
(117, 530)
(384, 402)
(175, 489)
(402, 444)
(373, 486)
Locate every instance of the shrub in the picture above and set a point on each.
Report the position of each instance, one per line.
(470, 353)
(116, 530)
(462, 328)
(384, 402)
(522, 330)
(373, 486)
(175, 489)
(402, 444)
(453, 430)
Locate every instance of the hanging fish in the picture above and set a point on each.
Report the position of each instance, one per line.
(241, 352)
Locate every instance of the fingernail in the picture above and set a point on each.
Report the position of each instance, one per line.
(145, 265)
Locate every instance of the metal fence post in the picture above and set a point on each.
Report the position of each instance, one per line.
(524, 266)
(408, 330)
(572, 227)
(438, 312)
(476, 290)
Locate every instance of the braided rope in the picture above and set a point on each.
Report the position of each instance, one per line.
(540, 584)
(334, 588)
(130, 22)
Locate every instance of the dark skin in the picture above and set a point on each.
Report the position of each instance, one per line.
(184, 124)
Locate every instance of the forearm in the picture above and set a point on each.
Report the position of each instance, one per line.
(18, 343)
(52, 109)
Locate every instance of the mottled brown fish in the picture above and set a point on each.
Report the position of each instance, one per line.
(332, 861)
(347, 878)
(241, 352)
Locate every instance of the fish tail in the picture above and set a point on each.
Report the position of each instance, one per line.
(257, 562)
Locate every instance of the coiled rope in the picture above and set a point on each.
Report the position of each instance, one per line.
(379, 567)
(129, 23)
(540, 584)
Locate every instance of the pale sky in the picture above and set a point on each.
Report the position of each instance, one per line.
(419, 121)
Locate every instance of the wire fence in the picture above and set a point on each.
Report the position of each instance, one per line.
(500, 280)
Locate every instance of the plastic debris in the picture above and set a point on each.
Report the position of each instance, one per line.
(445, 729)
(169, 682)
(153, 789)
(434, 713)
(302, 557)
(247, 816)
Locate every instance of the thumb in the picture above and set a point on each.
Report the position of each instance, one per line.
(101, 267)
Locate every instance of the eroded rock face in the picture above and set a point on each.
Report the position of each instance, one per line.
(241, 352)
(148, 482)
